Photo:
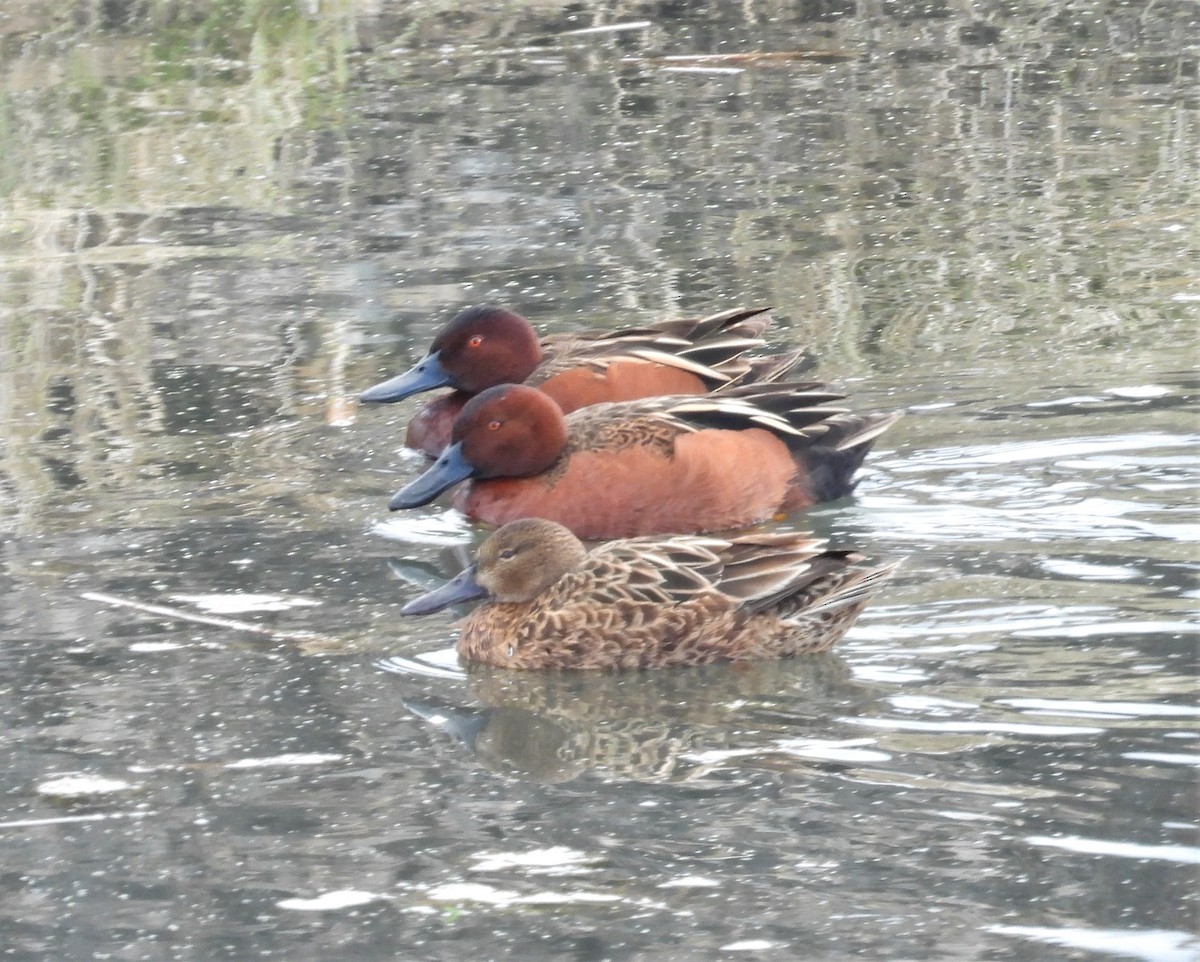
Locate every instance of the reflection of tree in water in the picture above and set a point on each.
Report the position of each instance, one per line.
(650, 725)
(199, 246)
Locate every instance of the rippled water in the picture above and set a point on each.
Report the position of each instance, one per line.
(217, 230)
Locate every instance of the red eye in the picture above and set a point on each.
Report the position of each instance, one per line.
(493, 425)
(475, 341)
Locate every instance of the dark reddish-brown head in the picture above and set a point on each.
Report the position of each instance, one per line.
(507, 431)
(510, 431)
(485, 346)
(482, 347)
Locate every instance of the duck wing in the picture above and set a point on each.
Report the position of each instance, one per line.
(709, 347)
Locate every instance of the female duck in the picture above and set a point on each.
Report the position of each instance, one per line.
(651, 603)
(489, 345)
(654, 466)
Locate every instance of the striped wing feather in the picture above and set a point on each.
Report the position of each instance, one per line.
(690, 344)
(752, 571)
(766, 368)
(844, 431)
(760, 569)
(668, 572)
(787, 407)
(788, 410)
(839, 589)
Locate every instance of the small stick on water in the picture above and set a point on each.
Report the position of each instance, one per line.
(178, 614)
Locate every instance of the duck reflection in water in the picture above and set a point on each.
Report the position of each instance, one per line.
(650, 726)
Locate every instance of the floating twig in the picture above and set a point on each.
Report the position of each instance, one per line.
(752, 59)
(179, 614)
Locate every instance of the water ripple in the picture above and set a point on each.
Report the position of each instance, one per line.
(1015, 452)
(1102, 709)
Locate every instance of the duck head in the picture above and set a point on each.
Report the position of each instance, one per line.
(480, 348)
(507, 431)
(515, 564)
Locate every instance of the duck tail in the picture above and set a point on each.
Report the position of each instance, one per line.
(740, 321)
(827, 444)
(767, 368)
(835, 450)
(825, 609)
(709, 347)
(719, 342)
(840, 585)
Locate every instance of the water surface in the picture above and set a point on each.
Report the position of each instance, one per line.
(216, 230)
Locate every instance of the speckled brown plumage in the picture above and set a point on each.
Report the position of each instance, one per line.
(658, 602)
(614, 427)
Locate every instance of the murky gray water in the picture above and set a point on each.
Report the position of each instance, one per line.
(217, 229)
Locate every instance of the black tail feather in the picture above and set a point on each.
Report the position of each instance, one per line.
(831, 459)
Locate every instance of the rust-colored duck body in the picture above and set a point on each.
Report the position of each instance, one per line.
(652, 602)
(489, 345)
(653, 466)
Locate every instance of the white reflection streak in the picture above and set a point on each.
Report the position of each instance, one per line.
(70, 819)
(1164, 758)
(970, 456)
(237, 604)
(1180, 854)
(286, 760)
(610, 28)
(994, 728)
(556, 860)
(447, 529)
(487, 894)
(175, 614)
(331, 901)
(703, 70)
(1112, 628)
(846, 750)
(399, 665)
(1152, 945)
(1132, 709)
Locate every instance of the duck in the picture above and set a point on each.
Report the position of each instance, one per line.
(670, 465)
(487, 345)
(550, 602)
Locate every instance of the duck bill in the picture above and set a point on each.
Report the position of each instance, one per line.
(463, 587)
(444, 473)
(424, 376)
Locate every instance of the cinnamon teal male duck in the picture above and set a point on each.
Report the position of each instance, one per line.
(670, 465)
(489, 345)
(550, 602)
